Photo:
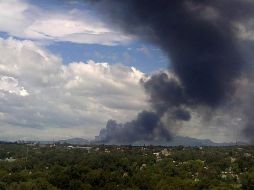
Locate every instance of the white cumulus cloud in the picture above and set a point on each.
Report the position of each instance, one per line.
(43, 98)
(11, 85)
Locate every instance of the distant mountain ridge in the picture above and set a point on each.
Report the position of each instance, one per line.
(184, 141)
(189, 141)
(176, 141)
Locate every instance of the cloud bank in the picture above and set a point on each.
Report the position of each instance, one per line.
(21, 18)
(43, 99)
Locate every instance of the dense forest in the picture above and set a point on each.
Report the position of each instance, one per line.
(66, 167)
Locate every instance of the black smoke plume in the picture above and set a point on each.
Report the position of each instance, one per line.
(147, 126)
(164, 93)
(200, 39)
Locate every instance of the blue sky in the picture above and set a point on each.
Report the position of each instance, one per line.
(143, 57)
(136, 53)
(64, 72)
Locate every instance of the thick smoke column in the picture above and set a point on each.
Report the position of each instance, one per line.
(200, 40)
(147, 127)
(167, 93)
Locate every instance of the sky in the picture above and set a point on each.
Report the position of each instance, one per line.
(64, 72)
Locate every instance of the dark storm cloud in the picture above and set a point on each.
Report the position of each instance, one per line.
(200, 39)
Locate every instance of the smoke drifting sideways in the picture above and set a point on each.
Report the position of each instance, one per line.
(147, 126)
(166, 97)
(201, 40)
